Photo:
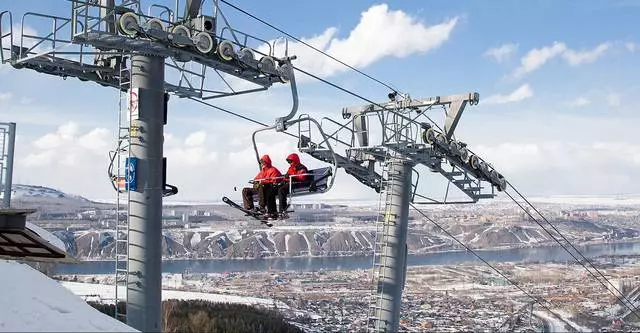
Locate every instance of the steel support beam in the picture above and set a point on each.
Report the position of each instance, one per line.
(393, 265)
(145, 215)
(191, 9)
(8, 179)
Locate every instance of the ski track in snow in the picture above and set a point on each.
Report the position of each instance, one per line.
(367, 240)
(518, 237)
(270, 238)
(195, 239)
(286, 242)
(258, 239)
(355, 237)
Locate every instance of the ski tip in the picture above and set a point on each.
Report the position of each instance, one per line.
(225, 199)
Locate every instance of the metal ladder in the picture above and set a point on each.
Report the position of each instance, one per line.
(5, 183)
(122, 194)
(379, 257)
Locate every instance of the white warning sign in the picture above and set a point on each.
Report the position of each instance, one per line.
(134, 112)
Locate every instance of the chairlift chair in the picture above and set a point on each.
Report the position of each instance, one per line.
(322, 178)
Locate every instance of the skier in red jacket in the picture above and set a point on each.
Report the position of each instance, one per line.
(299, 176)
(264, 184)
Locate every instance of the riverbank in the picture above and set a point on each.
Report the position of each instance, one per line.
(539, 254)
(414, 253)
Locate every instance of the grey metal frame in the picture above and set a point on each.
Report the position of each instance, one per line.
(7, 149)
(91, 45)
(409, 137)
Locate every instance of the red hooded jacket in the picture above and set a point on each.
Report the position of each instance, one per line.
(297, 168)
(268, 171)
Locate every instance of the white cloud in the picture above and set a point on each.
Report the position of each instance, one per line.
(632, 47)
(5, 96)
(97, 140)
(614, 99)
(536, 58)
(523, 92)
(576, 58)
(567, 167)
(578, 102)
(196, 139)
(380, 33)
(502, 52)
(66, 146)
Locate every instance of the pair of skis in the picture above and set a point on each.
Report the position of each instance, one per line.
(255, 215)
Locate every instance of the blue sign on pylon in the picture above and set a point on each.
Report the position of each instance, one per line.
(130, 170)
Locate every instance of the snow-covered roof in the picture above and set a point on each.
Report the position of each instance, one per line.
(32, 302)
(49, 237)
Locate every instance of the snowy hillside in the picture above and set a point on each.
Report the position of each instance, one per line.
(34, 191)
(32, 302)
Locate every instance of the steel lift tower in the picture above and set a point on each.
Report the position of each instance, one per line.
(145, 55)
(410, 144)
(7, 147)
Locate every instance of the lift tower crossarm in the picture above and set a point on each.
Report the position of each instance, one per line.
(191, 9)
(455, 103)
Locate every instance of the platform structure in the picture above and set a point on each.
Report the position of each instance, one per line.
(18, 242)
(146, 53)
(392, 147)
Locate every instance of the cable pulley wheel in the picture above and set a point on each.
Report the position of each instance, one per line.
(155, 24)
(484, 168)
(247, 55)
(455, 147)
(226, 51)
(181, 30)
(429, 136)
(501, 183)
(267, 64)
(441, 139)
(203, 42)
(464, 154)
(129, 23)
(474, 161)
(284, 73)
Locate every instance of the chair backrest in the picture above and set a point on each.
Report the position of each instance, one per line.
(319, 183)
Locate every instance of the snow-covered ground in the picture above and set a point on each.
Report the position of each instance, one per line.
(32, 302)
(566, 316)
(104, 292)
(554, 324)
(21, 190)
(557, 325)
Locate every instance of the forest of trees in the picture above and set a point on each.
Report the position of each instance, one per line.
(204, 316)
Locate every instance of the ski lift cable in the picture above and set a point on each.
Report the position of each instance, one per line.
(308, 45)
(535, 299)
(350, 92)
(634, 309)
(374, 103)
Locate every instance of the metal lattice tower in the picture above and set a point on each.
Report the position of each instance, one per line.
(7, 147)
(410, 145)
(145, 55)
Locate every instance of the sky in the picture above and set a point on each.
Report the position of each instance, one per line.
(556, 81)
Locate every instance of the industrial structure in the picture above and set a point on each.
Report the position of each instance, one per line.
(147, 54)
(408, 145)
(7, 148)
(150, 54)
